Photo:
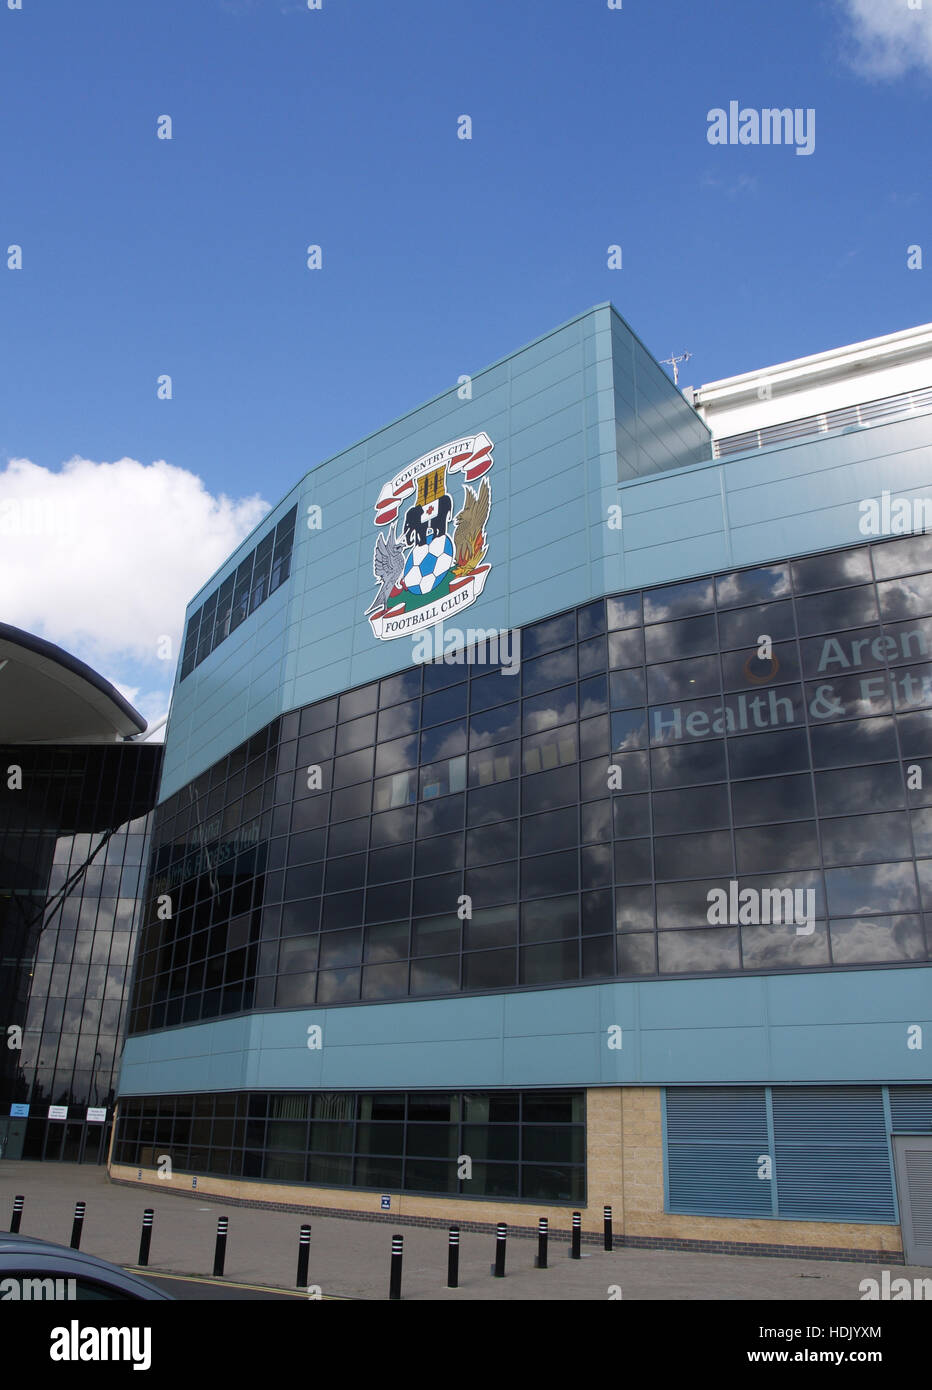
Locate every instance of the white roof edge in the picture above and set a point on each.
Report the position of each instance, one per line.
(907, 342)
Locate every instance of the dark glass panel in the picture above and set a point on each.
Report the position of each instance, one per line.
(444, 705)
(494, 726)
(489, 843)
(624, 610)
(793, 845)
(858, 940)
(385, 981)
(438, 893)
(744, 627)
(774, 799)
(781, 946)
(488, 691)
(437, 817)
(637, 955)
(595, 736)
(880, 788)
(319, 716)
(388, 941)
(405, 686)
(867, 889)
(632, 861)
(557, 960)
(590, 619)
(627, 688)
(688, 764)
(840, 609)
(863, 839)
(391, 757)
(593, 656)
(548, 635)
(488, 805)
(550, 919)
(440, 975)
(356, 702)
(765, 755)
(598, 915)
(551, 831)
(355, 767)
(546, 711)
(706, 951)
(549, 671)
(752, 586)
(671, 641)
(549, 873)
(342, 910)
(496, 883)
(830, 571)
(547, 790)
(680, 856)
(398, 720)
(629, 730)
(627, 648)
(387, 902)
(491, 927)
(631, 816)
(358, 733)
(443, 741)
(344, 839)
(680, 680)
(438, 854)
(392, 828)
(678, 600)
(858, 741)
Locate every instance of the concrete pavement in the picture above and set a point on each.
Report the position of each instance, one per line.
(350, 1258)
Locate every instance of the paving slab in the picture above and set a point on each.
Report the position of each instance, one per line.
(350, 1258)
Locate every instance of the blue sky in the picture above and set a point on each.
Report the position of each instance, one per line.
(338, 127)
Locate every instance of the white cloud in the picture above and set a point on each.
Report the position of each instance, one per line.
(102, 558)
(888, 38)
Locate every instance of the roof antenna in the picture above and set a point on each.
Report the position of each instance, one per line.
(673, 361)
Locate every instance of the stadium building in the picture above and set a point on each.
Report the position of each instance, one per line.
(546, 818)
(76, 795)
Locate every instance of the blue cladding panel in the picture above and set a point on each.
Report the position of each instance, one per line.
(673, 1033)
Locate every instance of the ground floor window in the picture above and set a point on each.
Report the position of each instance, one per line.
(528, 1145)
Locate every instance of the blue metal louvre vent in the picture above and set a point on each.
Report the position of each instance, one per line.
(911, 1109)
(832, 1159)
(715, 1137)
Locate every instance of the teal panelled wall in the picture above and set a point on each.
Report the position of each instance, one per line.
(550, 410)
(847, 1026)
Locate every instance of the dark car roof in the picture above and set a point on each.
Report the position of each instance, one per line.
(77, 1261)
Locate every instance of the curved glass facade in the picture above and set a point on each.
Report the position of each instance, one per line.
(467, 826)
(73, 831)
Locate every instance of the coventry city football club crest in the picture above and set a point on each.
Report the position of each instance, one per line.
(428, 559)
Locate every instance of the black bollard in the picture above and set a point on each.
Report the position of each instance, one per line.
(501, 1235)
(394, 1283)
(542, 1243)
(304, 1255)
(575, 1252)
(453, 1258)
(79, 1209)
(145, 1239)
(17, 1215)
(220, 1250)
(607, 1227)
